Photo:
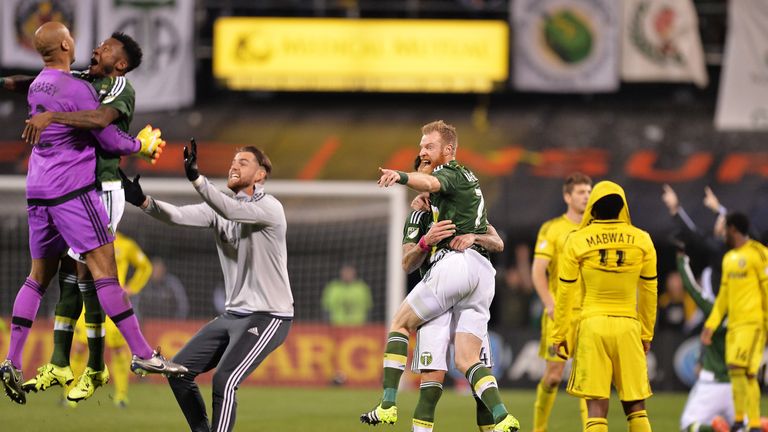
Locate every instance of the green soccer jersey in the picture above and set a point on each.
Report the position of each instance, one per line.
(459, 200)
(117, 93)
(712, 356)
(416, 226)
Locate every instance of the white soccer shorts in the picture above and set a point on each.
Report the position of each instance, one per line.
(434, 342)
(114, 202)
(707, 399)
(463, 281)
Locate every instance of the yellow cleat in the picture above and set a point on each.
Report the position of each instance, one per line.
(49, 375)
(509, 424)
(87, 384)
(380, 415)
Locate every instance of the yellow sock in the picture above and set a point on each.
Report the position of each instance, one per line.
(584, 413)
(545, 399)
(638, 421)
(753, 402)
(596, 424)
(740, 389)
(119, 367)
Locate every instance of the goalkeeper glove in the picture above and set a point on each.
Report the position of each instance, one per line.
(132, 189)
(151, 144)
(190, 161)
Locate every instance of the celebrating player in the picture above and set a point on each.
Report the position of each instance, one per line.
(549, 244)
(110, 61)
(463, 280)
(433, 339)
(250, 234)
(742, 297)
(65, 211)
(614, 264)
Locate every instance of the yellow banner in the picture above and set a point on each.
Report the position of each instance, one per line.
(360, 55)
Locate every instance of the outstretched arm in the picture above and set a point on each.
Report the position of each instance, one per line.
(98, 118)
(419, 182)
(17, 83)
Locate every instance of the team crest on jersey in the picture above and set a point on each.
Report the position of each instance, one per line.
(425, 358)
(412, 232)
(742, 263)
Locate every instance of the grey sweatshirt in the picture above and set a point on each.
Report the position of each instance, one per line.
(250, 238)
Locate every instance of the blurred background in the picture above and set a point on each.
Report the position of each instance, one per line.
(641, 92)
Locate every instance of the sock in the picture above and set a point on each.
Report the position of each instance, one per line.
(542, 407)
(24, 311)
(596, 424)
(638, 421)
(94, 324)
(740, 389)
(753, 403)
(67, 312)
(485, 422)
(115, 302)
(584, 412)
(485, 386)
(120, 365)
(429, 395)
(395, 356)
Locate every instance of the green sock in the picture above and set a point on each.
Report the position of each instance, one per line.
(485, 419)
(485, 386)
(429, 395)
(395, 356)
(67, 312)
(94, 325)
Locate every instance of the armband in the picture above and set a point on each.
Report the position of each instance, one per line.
(423, 245)
(403, 178)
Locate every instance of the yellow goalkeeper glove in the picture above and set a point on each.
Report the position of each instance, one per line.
(151, 144)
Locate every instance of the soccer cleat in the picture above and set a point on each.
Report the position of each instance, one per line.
(49, 375)
(380, 415)
(11, 378)
(157, 364)
(509, 424)
(720, 424)
(87, 384)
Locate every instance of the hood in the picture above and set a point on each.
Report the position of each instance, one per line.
(603, 189)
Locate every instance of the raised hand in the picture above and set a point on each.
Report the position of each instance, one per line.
(190, 160)
(152, 144)
(132, 189)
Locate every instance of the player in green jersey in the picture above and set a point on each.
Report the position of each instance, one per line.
(110, 61)
(461, 279)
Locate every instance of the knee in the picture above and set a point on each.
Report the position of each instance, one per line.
(220, 382)
(633, 406)
(551, 380)
(179, 383)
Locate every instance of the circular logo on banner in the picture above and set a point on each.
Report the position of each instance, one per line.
(686, 360)
(565, 37)
(655, 29)
(31, 14)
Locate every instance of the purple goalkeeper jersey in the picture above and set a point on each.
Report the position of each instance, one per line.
(64, 161)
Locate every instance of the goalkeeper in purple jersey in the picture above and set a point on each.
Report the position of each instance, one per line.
(64, 209)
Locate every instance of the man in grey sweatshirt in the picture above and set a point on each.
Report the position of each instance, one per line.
(249, 230)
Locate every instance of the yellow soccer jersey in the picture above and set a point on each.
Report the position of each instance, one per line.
(549, 244)
(129, 254)
(743, 287)
(614, 263)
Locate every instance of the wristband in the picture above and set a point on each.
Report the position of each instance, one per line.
(403, 178)
(423, 245)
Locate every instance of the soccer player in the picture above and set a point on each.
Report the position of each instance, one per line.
(742, 297)
(614, 264)
(110, 61)
(249, 230)
(463, 280)
(433, 339)
(709, 407)
(128, 255)
(549, 243)
(64, 209)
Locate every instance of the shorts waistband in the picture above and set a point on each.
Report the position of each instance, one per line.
(62, 199)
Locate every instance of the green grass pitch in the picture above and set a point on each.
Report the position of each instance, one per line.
(153, 408)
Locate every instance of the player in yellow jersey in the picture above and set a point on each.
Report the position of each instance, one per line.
(742, 297)
(613, 264)
(128, 254)
(549, 242)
